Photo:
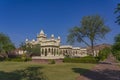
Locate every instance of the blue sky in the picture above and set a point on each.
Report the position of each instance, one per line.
(21, 19)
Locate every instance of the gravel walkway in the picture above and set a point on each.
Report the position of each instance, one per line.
(107, 70)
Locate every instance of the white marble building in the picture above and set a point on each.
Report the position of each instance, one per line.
(50, 47)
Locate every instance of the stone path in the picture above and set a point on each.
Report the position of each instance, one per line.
(107, 70)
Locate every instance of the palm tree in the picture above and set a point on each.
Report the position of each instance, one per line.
(92, 28)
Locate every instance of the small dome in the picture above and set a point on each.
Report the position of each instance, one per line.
(26, 40)
(58, 37)
(52, 35)
(33, 40)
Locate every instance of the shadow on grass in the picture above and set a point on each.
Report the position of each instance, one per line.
(98, 74)
(30, 73)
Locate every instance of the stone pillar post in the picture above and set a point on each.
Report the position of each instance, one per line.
(41, 51)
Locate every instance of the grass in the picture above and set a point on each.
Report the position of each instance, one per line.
(37, 71)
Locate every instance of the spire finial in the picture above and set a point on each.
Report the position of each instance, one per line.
(41, 32)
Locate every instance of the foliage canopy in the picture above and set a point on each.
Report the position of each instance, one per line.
(117, 11)
(92, 28)
(116, 47)
(31, 49)
(5, 44)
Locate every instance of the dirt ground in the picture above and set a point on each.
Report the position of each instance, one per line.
(106, 70)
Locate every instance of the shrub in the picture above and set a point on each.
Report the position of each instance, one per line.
(24, 57)
(116, 50)
(117, 55)
(116, 47)
(52, 62)
(2, 58)
(19, 59)
(87, 59)
(103, 54)
(12, 55)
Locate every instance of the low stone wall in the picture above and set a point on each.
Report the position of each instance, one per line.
(47, 60)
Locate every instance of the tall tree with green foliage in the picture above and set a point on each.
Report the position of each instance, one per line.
(116, 47)
(117, 11)
(91, 28)
(5, 44)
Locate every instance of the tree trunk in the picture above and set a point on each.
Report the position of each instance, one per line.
(92, 48)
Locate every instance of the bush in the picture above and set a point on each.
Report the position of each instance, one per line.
(2, 58)
(18, 59)
(24, 57)
(116, 50)
(117, 55)
(52, 61)
(12, 55)
(87, 59)
(116, 47)
(104, 53)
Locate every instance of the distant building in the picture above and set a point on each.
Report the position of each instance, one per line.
(50, 47)
(19, 51)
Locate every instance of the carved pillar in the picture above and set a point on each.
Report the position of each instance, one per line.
(54, 51)
(45, 52)
(57, 51)
(41, 51)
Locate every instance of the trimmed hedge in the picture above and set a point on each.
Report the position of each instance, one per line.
(18, 59)
(87, 59)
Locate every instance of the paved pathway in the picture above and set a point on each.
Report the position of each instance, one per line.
(107, 70)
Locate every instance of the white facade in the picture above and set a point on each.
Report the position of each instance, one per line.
(51, 47)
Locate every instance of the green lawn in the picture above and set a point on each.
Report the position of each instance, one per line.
(37, 71)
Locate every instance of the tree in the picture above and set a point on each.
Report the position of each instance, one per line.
(117, 11)
(116, 47)
(36, 50)
(92, 28)
(6, 46)
(31, 49)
